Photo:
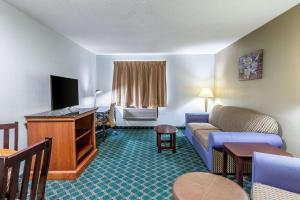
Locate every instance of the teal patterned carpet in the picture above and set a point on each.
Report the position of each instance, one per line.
(128, 167)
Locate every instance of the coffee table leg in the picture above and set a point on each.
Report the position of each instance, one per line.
(159, 143)
(225, 157)
(239, 171)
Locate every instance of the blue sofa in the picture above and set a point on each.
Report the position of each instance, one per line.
(207, 133)
(275, 177)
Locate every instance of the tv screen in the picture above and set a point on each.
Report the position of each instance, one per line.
(64, 92)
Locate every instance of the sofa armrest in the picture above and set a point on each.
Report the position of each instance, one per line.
(196, 117)
(277, 171)
(216, 139)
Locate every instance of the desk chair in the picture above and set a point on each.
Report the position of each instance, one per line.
(109, 120)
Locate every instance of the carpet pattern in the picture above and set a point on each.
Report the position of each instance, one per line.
(128, 166)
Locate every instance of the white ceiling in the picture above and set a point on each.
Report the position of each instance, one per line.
(153, 26)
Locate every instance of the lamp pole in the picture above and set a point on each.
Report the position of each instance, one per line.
(206, 103)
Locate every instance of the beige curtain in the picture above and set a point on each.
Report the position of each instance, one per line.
(139, 84)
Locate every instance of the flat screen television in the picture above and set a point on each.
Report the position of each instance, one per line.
(64, 92)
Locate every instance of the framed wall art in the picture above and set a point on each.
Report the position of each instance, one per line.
(251, 66)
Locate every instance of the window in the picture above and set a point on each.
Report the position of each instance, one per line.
(140, 84)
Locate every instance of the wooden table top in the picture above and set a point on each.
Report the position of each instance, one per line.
(164, 128)
(246, 150)
(7, 152)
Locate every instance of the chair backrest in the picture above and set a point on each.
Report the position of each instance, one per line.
(111, 115)
(6, 128)
(36, 157)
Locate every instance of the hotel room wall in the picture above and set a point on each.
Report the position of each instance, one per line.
(186, 75)
(29, 53)
(277, 93)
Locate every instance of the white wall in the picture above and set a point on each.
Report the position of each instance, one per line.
(186, 75)
(29, 53)
(277, 93)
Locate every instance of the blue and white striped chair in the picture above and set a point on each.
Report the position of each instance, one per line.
(275, 177)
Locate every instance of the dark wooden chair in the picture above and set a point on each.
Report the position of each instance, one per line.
(6, 128)
(36, 157)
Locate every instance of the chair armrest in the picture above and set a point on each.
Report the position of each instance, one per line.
(196, 117)
(277, 171)
(216, 139)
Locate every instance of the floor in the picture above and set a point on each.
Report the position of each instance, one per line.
(128, 166)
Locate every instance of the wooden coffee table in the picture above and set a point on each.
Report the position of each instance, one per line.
(243, 152)
(166, 130)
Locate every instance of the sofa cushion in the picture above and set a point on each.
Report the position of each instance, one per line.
(202, 126)
(215, 115)
(262, 191)
(235, 119)
(202, 136)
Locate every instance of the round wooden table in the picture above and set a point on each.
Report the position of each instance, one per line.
(206, 186)
(165, 129)
(7, 152)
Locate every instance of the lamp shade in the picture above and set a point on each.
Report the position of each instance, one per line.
(98, 91)
(206, 93)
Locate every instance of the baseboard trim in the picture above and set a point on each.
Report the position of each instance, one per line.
(142, 127)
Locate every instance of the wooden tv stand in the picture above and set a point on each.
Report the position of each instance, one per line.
(73, 140)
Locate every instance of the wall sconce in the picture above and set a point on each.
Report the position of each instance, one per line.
(206, 93)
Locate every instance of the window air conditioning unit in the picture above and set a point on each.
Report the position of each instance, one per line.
(140, 114)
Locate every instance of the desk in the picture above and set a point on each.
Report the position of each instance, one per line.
(73, 140)
(102, 109)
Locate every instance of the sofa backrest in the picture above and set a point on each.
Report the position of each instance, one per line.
(235, 119)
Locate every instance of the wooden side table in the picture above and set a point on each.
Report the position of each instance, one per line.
(166, 130)
(243, 152)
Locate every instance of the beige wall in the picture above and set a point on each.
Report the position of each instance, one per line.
(278, 93)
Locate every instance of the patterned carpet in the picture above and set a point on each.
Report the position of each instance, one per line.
(128, 166)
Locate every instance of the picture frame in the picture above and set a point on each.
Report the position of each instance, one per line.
(251, 66)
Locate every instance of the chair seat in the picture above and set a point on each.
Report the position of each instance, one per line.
(102, 122)
(107, 123)
(266, 192)
(200, 126)
(202, 136)
(7, 152)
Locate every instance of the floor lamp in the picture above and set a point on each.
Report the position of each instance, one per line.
(206, 93)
